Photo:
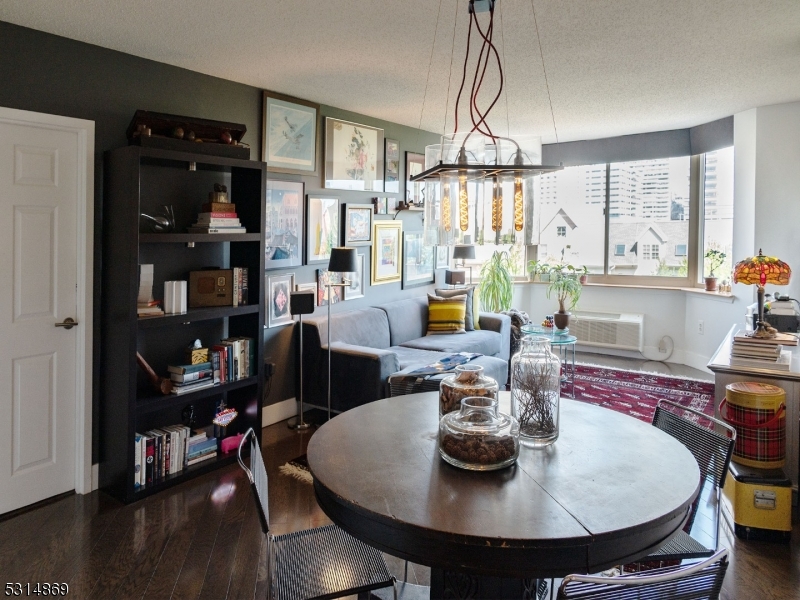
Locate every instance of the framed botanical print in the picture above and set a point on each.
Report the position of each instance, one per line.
(279, 288)
(284, 224)
(415, 190)
(387, 252)
(358, 281)
(323, 279)
(289, 140)
(392, 178)
(442, 257)
(357, 224)
(417, 261)
(353, 156)
(322, 228)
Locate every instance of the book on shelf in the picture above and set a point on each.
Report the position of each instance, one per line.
(202, 458)
(217, 222)
(175, 297)
(780, 339)
(181, 369)
(194, 229)
(161, 452)
(137, 460)
(188, 377)
(756, 351)
(210, 216)
(145, 294)
(149, 309)
(185, 388)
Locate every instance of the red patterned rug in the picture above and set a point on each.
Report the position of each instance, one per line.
(636, 393)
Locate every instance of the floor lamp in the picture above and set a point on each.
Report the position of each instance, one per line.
(300, 303)
(464, 252)
(343, 260)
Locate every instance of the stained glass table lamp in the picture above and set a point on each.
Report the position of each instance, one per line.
(761, 270)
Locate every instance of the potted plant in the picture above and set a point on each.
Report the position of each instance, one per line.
(584, 274)
(715, 260)
(533, 269)
(496, 286)
(544, 271)
(567, 288)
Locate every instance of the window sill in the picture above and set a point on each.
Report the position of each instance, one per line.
(697, 291)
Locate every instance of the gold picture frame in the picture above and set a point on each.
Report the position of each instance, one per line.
(387, 252)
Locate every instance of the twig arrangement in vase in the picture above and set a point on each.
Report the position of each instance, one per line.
(535, 391)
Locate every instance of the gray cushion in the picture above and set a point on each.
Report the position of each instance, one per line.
(408, 319)
(413, 357)
(366, 327)
(469, 324)
(483, 342)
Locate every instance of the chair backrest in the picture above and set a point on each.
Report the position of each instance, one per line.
(699, 581)
(257, 474)
(712, 450)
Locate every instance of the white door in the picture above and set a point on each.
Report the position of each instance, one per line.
(40, 183)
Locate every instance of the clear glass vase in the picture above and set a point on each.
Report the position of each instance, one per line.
(468, 380)
(535, 391)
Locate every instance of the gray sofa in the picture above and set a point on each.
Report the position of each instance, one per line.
(371, 344)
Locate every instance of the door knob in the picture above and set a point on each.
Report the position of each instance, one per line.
(68, 323)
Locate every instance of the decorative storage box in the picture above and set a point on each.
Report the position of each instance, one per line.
(759, 502)
(757, 412)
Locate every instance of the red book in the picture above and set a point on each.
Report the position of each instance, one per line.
(217, 215)
(149, 459)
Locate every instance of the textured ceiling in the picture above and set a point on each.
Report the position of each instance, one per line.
(613, 67)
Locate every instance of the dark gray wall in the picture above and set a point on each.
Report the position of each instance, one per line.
(51, 74)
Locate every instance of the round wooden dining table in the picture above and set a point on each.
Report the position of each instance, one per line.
(608, 491)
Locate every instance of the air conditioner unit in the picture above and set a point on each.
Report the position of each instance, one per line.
(623, 331)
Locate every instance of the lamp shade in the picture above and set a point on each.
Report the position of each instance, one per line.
(463, 251)
(761, 270)
(454, 277)
(343, 260)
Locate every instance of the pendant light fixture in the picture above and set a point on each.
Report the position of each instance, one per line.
(463, 161)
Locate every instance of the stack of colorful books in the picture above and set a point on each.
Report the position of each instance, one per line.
(201, 447)
(218, 217)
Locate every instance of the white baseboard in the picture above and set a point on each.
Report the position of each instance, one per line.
(280, 411)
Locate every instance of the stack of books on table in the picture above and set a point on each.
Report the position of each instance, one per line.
(762, 353)
(201, 447)
(218, 217)
(189, 378)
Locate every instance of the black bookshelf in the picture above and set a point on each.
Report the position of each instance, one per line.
(142, 180)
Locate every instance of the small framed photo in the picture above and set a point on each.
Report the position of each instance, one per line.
(392, 177)
(442, 257)
(322, 228)
(353, 156)
(325, 277)
(358, 280)
(415, 190)
(381, 205)
(284, 224)
(357, 219)
(387, 252)
(279, 287)
(291, 131)
(418, 261)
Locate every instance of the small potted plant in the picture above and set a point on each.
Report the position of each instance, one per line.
(567, 288)
(533, 270)
(584, 270)
(715, 259)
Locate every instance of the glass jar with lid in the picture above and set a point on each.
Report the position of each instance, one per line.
(536, 391)
(478, 437)
(468, 380)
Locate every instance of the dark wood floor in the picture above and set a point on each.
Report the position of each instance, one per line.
(202, 540)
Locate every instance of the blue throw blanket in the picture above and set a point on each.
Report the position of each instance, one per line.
(448, 363)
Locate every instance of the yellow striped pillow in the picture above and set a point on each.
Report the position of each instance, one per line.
(446, 315)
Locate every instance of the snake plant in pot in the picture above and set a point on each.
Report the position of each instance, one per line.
(496, 287)
(564, 283)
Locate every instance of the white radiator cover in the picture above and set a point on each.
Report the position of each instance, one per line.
(623, 331)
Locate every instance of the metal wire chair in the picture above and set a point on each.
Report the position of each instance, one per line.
(712, 450)
(700, 581)
(325, 562)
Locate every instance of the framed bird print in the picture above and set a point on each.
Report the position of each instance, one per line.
(291, 130)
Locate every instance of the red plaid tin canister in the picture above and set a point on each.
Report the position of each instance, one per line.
(757, 411)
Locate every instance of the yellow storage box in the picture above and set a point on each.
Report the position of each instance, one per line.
(758, 502)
